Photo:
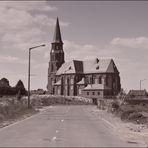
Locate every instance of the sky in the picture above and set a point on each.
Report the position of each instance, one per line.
(109, 29)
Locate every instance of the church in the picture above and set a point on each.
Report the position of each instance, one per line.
(92, 78)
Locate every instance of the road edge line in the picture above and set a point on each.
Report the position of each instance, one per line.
(25, 119)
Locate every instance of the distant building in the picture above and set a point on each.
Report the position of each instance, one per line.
(37, 92)
(137, 97)
(92, 78)
(137, 93)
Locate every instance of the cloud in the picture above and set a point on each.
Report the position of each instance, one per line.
(20, 29)
(44, 20)
(137, 42)
(41, 65)
(12, 59)
(12, 19)
(24, 29)
(17, 20)
(28, 5)
(75, 51)
(23, 25)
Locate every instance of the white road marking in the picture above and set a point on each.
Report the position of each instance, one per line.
(57, 131)
(54, 138)
(108, 122)
(25, 119)
(50, 106)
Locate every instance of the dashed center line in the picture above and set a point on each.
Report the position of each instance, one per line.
(54, 138)
(108, 122)
(57, 131)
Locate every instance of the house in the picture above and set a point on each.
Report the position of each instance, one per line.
(137, 93)
(137, 97)
(92, 78)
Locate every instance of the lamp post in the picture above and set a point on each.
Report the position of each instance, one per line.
(29, 71)
(141, 83)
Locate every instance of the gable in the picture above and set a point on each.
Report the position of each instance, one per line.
(111, 66)
(71, 67)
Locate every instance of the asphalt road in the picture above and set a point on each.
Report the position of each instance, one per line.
(62, 126)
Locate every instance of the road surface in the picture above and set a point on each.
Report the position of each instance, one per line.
(62, 126)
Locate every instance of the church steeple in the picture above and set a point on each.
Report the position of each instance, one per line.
(56, 57)
(57, 33)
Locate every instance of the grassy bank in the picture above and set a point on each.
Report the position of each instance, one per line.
(46, 100)
(11, 110)
(136, 113)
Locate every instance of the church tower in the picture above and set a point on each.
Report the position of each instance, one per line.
(56, 57)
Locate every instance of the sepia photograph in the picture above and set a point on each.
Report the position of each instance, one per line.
(73, 73)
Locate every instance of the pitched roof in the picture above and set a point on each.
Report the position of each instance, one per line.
(138, 92)
(91, 66)
(97, 66)
(57, 33)
(70, 67)
(81, 82)
(96, 87)
(58, 83)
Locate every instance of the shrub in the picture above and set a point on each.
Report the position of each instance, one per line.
(20, 87)
(13, 109)
(134, 116)
(115, 105)
(125, 114)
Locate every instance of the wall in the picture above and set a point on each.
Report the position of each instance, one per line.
(91, 95)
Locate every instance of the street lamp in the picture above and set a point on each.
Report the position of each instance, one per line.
(29, 71)
(141, 82)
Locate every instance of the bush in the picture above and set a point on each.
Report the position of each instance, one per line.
(135, 116)
(125, 114)
(20, 87)
(6, 89)
(13, 109)
(115, 105)
(1, 117)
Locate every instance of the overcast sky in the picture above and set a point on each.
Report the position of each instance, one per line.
(118, 30)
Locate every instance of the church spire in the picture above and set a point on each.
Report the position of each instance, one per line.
(57, 33)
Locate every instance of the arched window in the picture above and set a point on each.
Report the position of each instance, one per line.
(52, 57)
(100, 80)
(52, 68)
(106, 80)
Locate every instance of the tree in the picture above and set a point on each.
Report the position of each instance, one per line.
(4, 86)
(4, 82)
(20, 87)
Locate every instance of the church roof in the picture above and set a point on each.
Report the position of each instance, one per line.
(58, 82)
(97, 66)
(96, 87)
(81, 82)
(91, 66)
(70, 67)
(57, 33)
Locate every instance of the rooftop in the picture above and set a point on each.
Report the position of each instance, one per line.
(90, 66)
(95, 87)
